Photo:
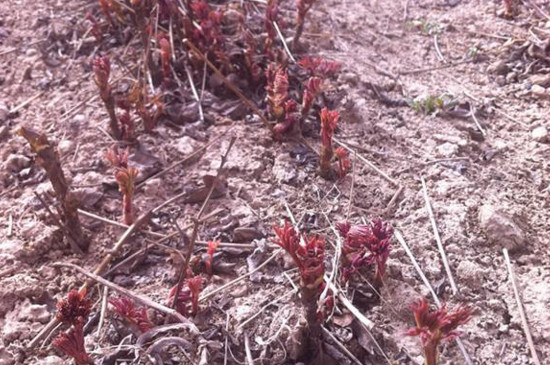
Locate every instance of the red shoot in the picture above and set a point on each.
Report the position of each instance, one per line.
(303, 7)
(436, 326)
(96, 30)
(72, 343)
(510, 7)
(208, 37)
(74, 309)
(290, 120)
(126, 179)
(105, 6)
(102, 71)
(326, 306)
(277, 90)
(319, 66)
(344, 163)
(212, 246)
(135, 318)
(128, 128)
(329, 120)
(250, 57)
(309, 258)
(117, 158)
(271, 15)
(365, 245)
(313, 88)
(188, 297)
(165, 55)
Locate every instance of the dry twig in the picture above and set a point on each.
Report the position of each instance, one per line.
(138, 298)
(522, 315)
(191, 247)
(438, 238)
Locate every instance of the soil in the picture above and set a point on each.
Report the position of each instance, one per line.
(487, 177)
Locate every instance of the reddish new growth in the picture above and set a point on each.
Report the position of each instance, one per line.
(96, 30)
(303, 7)
(309, 258)
(74, 309)
(128, 129)
(365, 245)
(126, 179)
(72, 343)
(319, 66)
(510, 8)
(436, 326)
(188, 299)
(313, 88)
(329, 121)
(102, 71)
(290, 119)
(105, 6)
(165, 54)
(212, 247)
(277, 90)
(117, 158)
(250, 58)
(344, 163)
(135, 318)
(208, 36)
(271, 15)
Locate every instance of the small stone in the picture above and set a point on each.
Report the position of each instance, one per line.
(246, 234)
(4, 112)
(499, 67)
(16, 163)
(500, 80)
(186, 145)
(540, 79)
(65, 146)
(25, 173)
(79, 119)
(5, 357)
(511, 77)
(153, 187)
(539, 92)
(3, 132)
(469, 273)
(14, 330)
(447, 149)
(34, 313)
(500, 229)
(52, 360)
(284, 169)
(540, 134)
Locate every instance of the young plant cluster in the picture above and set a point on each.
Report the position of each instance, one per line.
(74, 311)
(308, 254)
(125, 177)
(68, 203)
(436, 326)
(363, 245)
(229, 39)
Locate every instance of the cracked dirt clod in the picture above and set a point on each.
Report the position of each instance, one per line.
(501, 230)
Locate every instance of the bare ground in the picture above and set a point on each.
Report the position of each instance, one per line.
(487, 191)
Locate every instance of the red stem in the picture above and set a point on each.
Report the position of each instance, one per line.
(430, 354)
(127, 211)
